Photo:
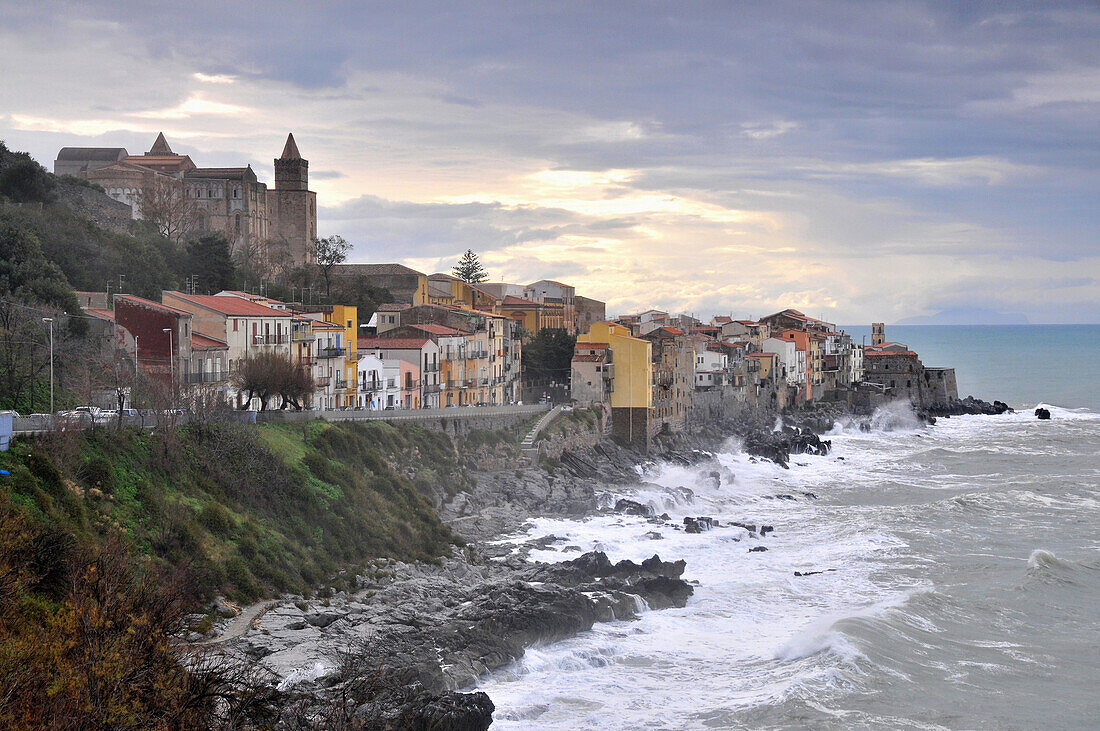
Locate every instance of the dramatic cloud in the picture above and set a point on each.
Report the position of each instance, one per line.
(857, 160)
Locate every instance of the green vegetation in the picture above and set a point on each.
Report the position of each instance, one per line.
(577, 419)
(549, 354)
(246, 511)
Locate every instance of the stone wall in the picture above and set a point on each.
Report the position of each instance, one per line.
(456, 422)
(575, 437)
(95, 205)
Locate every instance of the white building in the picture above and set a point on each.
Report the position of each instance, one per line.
(792, 359)
(711, 367)
(379, 382)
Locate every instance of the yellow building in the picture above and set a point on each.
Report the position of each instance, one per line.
(443, 289)
(632, 383)
(346, 316)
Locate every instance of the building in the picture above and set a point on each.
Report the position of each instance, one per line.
(631, 388)
(673, 379)
(185, 199)
(379, 382)
(549, 292)
(711, 367)
(420, 351)
(589, 312)
(405, 285)
(247, 328)
(899, 372)
(161, 334)
(593, 373)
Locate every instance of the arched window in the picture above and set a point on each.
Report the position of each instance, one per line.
(238, 222)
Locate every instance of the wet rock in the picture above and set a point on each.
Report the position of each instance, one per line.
(631, 507)
(654, 536)
(758, 549)
(1042, 414)
(765, 530)
(222, 607)
(750, 527)
(323, 619)
(700, 524)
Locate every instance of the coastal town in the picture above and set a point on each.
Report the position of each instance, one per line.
(447, 340)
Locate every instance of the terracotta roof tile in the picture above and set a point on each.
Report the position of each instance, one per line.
(236, 306)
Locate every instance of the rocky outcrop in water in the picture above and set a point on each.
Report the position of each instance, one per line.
(778, 446)
(398, 654)
(1042, 414)
(968, 405)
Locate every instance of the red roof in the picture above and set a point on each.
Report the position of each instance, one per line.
(589, 358)
(201, 341)
(150, 303)
(101, 314)
(393, 343)
(237, 306)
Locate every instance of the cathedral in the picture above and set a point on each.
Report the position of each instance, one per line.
(183, 199)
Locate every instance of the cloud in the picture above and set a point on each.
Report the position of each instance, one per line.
(213, 78)
(195, 106)
(881, 158)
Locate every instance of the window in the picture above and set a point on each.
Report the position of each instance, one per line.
(236, 192)
(237, 223)
(235, 321)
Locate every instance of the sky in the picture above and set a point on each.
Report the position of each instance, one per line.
(858, 161)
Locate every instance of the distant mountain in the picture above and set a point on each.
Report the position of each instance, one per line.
(966, 316)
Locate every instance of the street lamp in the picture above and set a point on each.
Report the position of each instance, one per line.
(171, 357)
(50, 321)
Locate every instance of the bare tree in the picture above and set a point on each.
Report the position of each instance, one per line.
(268, 375)
(164, 202)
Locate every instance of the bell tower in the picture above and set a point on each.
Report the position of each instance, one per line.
(295, 205)
(291, 170)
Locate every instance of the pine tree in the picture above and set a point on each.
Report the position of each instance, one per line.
(469, 269)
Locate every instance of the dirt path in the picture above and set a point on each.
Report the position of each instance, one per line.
(246, 620)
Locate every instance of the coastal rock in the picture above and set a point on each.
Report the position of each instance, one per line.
(1042, 414)
(758, 549)
(631, 507)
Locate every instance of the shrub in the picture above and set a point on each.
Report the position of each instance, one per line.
(97, 472)
(216, 519)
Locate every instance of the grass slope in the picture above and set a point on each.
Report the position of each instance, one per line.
(246, 511)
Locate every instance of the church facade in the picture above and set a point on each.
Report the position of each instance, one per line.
(184, 199)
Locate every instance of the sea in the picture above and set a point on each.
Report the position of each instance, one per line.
(951, 573)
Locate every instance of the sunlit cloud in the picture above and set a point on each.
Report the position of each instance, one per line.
(213, 78)
(196, 106)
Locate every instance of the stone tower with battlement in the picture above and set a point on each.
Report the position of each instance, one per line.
(293, 204)
(878, 333)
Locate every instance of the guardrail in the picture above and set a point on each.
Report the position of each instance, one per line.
(453, 412)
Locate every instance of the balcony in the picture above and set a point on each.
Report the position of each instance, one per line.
(301, 336)
(206, 377)
(341, 383)
(330, 352)
(270, 339)
(322, 381)
(372, 384)
(434, 388)
(431, 368)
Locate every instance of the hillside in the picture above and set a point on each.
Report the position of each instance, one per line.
(244, 511)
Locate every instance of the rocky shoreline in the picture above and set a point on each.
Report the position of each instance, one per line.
(400, 650)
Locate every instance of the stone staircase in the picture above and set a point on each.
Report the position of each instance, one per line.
(529, 446)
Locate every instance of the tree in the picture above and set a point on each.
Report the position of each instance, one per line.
(23, 181)
(548, 355)
(469, 269)
(210, 262)
(269, 374)
(330, 252)
(164, 202)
